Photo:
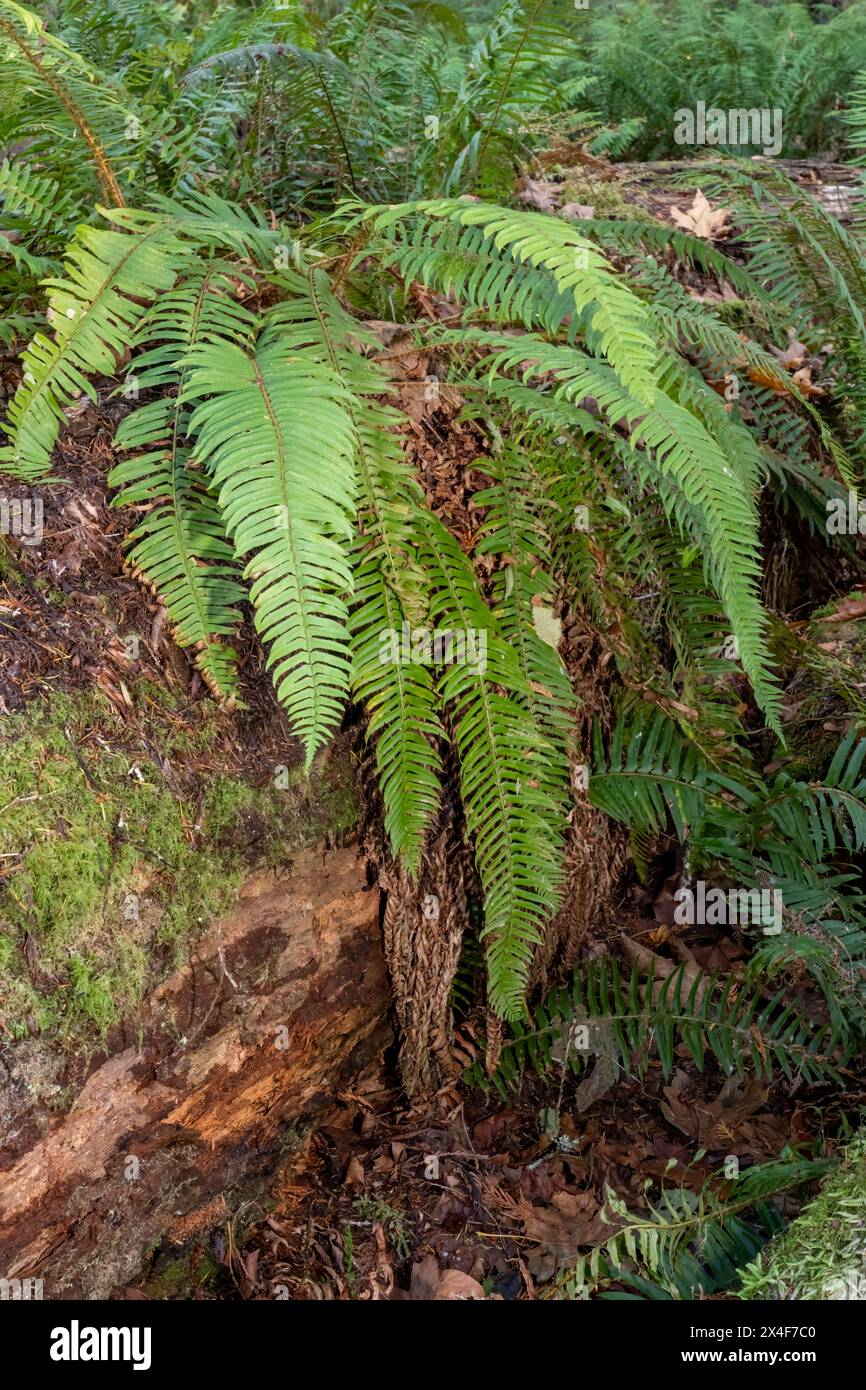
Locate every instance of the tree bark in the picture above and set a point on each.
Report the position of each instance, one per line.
(283, 1006)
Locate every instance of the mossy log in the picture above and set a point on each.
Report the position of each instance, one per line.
(283, 1005)
(822, 1254)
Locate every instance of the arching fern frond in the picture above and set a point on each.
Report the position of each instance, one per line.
(635, 1020)
(513, 530)
(615, 317)
(65, 83)
(683, 1231)
(709, 499)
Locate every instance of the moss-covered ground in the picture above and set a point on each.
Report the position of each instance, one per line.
(116, 850)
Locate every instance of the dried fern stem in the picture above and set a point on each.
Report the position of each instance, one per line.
(108, 186)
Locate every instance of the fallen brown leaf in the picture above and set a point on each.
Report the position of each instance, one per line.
(455, 1285)
(538, 193)
(701, 219)
(571, 1220)
(713, 1123)
(577, 212)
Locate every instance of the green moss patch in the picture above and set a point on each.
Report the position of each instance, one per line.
(115, 852)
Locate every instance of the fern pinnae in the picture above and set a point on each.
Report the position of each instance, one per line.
(740, 1026)
(504, 86)
(657, 1243)
(615, 315)
(512, 529)
(681, 450)
(107, 179)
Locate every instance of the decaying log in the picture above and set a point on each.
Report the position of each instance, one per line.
(283, 1006)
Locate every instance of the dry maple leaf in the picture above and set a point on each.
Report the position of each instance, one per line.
(701, 219)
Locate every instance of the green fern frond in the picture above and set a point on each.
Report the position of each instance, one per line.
(615, 317)
(398, 691)
(111, 278)
(275, 431)
(69, 85)
(678, 448)
(180, 547)
(39, 199)
(513, 530)
(517, 828)
(634, 1020)
(684, 1231)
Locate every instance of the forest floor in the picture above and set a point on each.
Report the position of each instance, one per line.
(470, 1193)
